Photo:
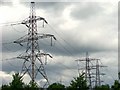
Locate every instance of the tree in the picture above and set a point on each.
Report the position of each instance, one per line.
(17, 82)
(56, 86)
(79, 83)
(33, 85)
(5, 87)
(116, 85)
(102, 87)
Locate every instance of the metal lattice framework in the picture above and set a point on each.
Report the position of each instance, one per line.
(98, 73)
(89, 75)
(87, 69)
(33, 63)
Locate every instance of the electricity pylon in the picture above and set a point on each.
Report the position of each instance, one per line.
(87, 69)
(97, 73)
(33, 63)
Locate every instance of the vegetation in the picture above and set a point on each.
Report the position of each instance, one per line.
(102, 87)
(18, 84)
(78, 83)
(55, 86)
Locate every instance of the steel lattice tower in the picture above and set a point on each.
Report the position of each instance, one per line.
(98, 73)
(91, 70)
(98, 81)
(87, 69)
(33, 63)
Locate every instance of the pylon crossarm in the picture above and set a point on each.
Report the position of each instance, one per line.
(20, 40)
(93, 59)
(46, 36)
(25, 57)
(44, 54)
(26, 38)
(28, 20)
(102, 66)
(102, 74)
(41, 18)
(80, 60)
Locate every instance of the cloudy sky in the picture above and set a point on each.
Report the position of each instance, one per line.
(79, 27)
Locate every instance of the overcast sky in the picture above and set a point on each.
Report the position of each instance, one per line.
(79, 27)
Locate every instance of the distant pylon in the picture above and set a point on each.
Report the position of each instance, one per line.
(33, 63)
(91, 69)
(86, 69)
(98, 73)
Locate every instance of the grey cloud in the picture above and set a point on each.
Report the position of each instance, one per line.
(5, 3)
(75, 44)
(86, 11)
(54, 8)
(68, 48)
(61, 47)
(12, 65)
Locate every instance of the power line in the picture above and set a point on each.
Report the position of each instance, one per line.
(8, 59)
(17, 30)
(10, 23)
(111, 74)
(65, 48)
(3, 43)
(69, 68)
(61, 37)
(8, 49)
(57, 72)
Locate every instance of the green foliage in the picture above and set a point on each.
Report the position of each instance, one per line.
(56, 86)
(32, 86)
(78, 82)
(116, 85)
(5, 87)
(17, 82)
(102, 87)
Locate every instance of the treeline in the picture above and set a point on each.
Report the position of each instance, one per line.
(78, 83)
